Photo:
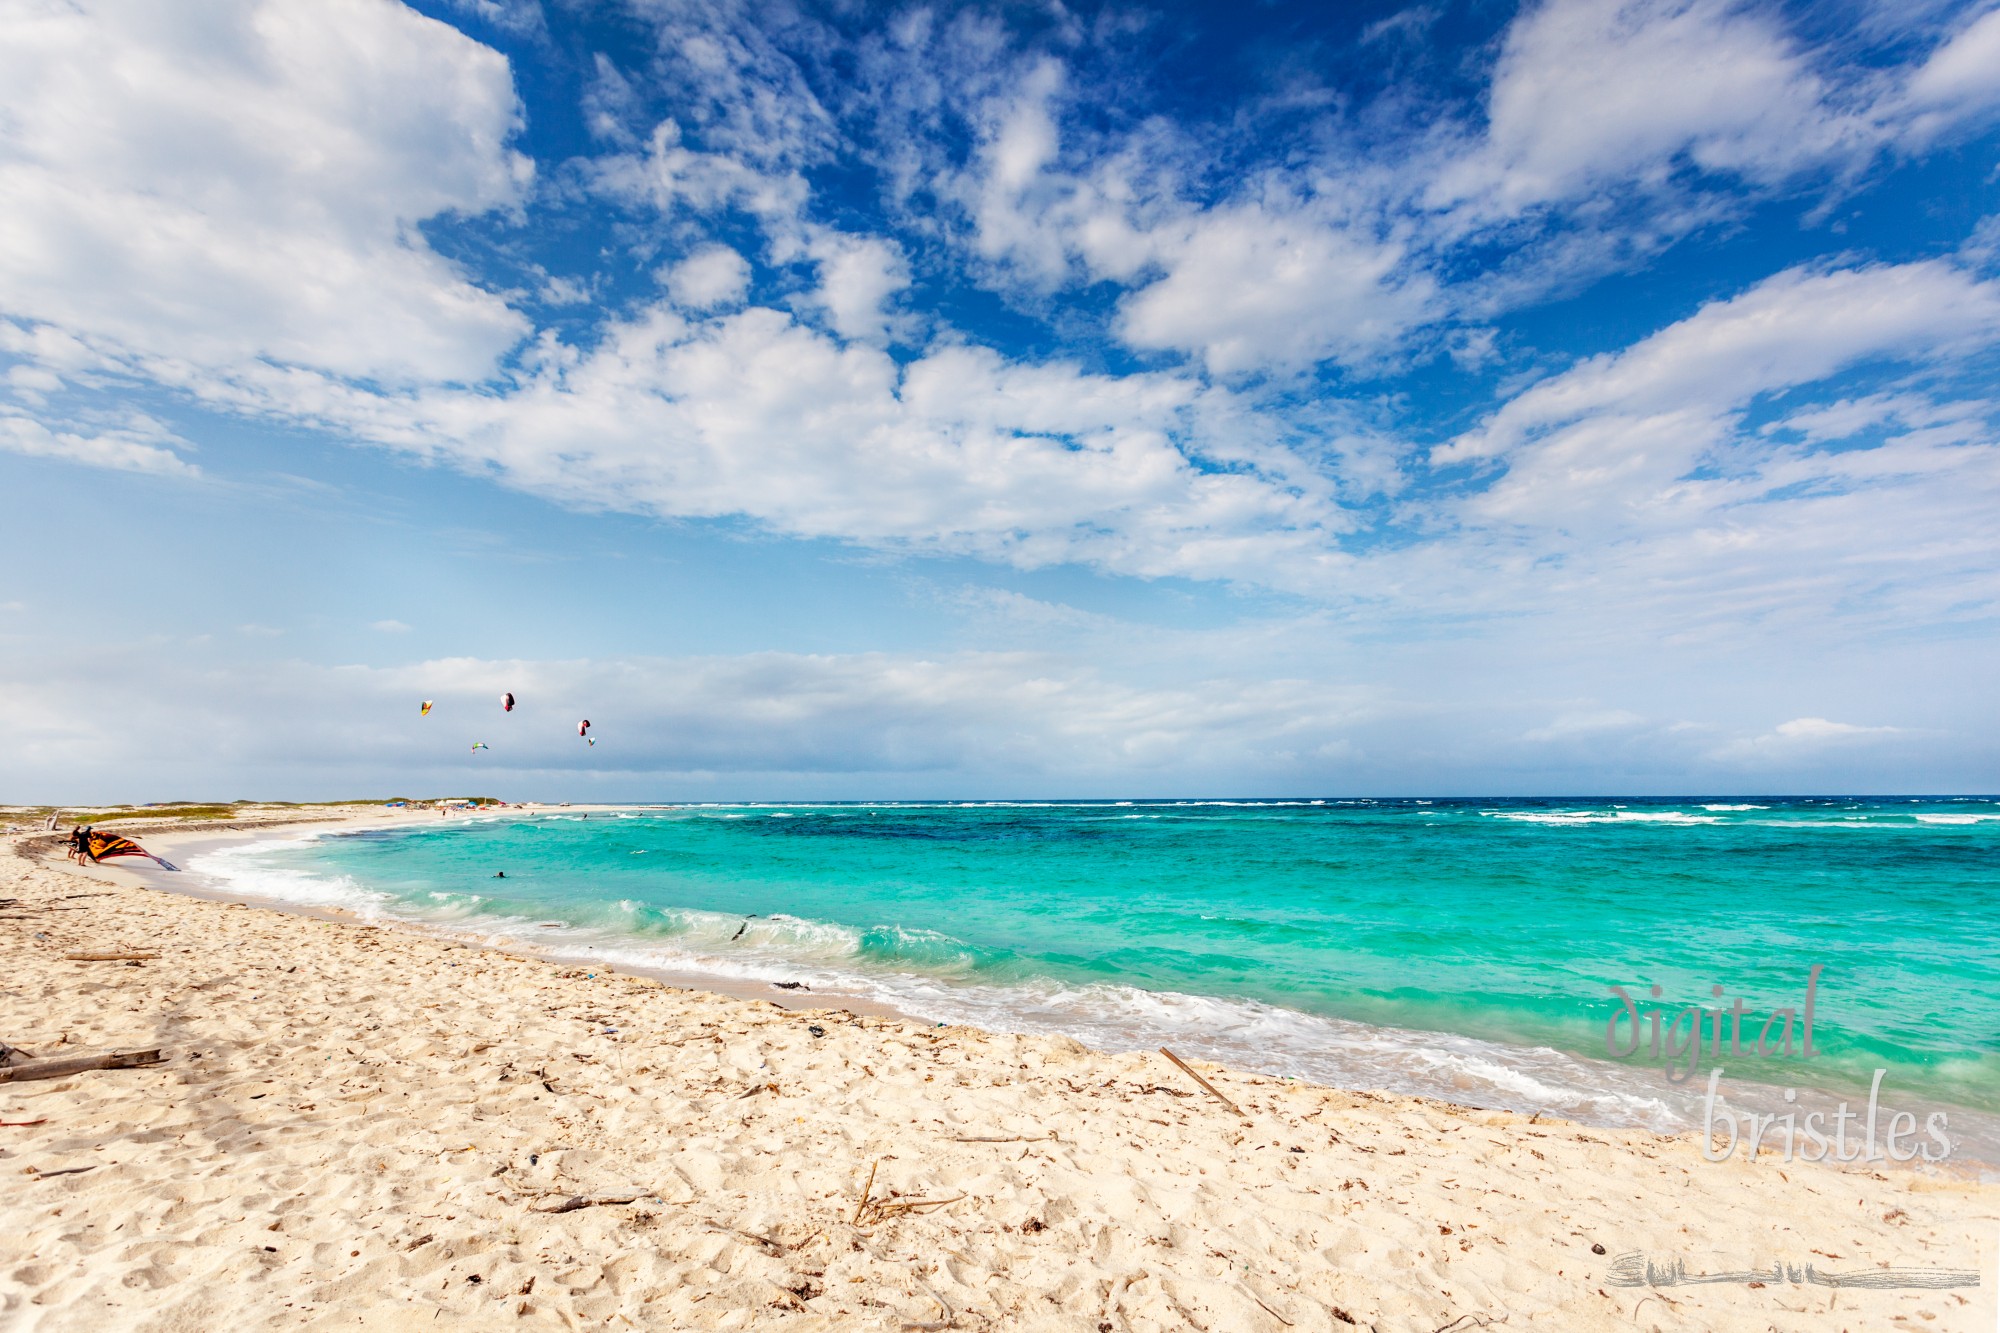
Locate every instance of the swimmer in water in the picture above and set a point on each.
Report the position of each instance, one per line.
(499, 874)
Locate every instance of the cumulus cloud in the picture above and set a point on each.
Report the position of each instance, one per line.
(1250, 288)
(958, 451)
(233, 180)
(859, 276)
(1627, 427)
(1590, 93)
(712, 276)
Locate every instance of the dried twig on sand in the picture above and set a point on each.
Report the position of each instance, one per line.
(1206, 1086)
(1049, 1137)
(1459, 1325)
(950, 1319)
(881, 1210)
(775, 1246)
(76, 1064)
(576, 1201)
(109, 957)
(866, 1190)
(1269, 1311)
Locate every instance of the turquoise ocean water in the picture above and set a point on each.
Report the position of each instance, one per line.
(1462, 949)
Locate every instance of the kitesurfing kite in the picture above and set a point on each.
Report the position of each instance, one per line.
(104, 846)
(425, 711)
(481, 745)
(583, 728)
(507, 702)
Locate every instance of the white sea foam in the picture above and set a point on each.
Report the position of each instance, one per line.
(1957, 819)
(1619, 815)
(239, 870)
(1736, 807)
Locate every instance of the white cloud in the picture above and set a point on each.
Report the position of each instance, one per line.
(520, 17)
(712, 276)
(672, 177)
(1819, 729)
(1015, 191)
(1590, 94)
(136, 447)
(959, 451)
(858, 277)
(1642, 417)
(1959, 81)
(231, 180)
(389, 627)
(1801, 739)
(1248, 287)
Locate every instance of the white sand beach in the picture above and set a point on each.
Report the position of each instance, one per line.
(365, 1127)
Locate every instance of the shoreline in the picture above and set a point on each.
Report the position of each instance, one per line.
(1976, 1133)
(186, 844)
(366, 1126)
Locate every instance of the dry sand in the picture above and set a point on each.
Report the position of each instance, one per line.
(359, 1127)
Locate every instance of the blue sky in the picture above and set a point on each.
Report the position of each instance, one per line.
(1004, 400)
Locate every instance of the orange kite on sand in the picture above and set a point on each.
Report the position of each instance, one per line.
(104, 846)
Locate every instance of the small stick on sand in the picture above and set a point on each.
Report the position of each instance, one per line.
(109, 957)
(1479, 1321)
(1206, 1086)
(950, 1319)
(1269, 1311)
(1013, 1138)
(776, 1246)
(576, 1201)
(866, 1190)
(886, 1209)
(76, 1064)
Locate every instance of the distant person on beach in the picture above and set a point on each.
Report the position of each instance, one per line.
(84, 856)
(75, 842)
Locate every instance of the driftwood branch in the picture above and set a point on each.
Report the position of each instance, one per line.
(1206, 1086)
(109, 957)
(30, 1070)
